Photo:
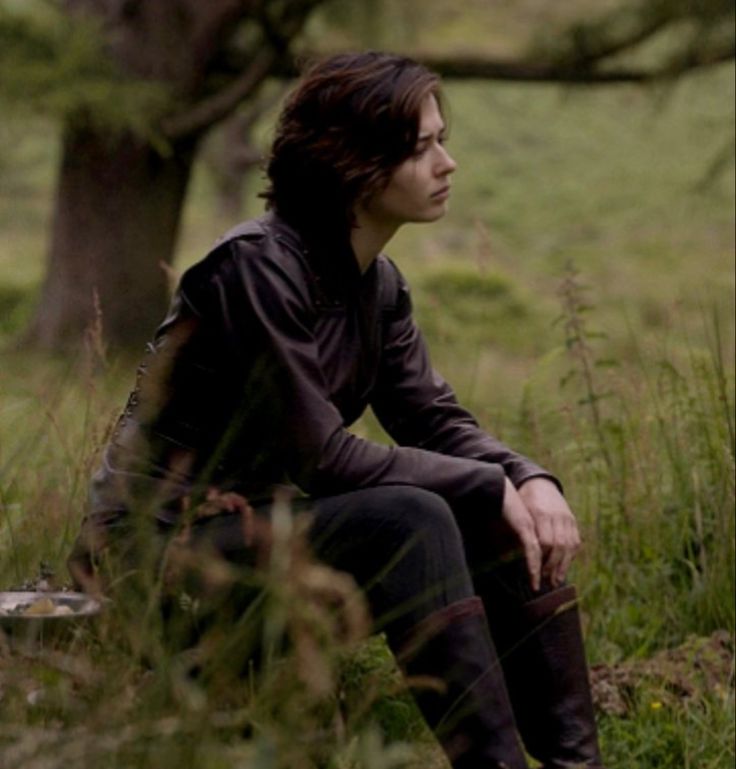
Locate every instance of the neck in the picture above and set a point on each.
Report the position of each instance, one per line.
(368, 238)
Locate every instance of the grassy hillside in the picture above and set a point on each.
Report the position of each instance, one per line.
(617, 376)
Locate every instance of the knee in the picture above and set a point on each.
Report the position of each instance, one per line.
(417, 508)
(413, 502)
(388, 519)
(424, 517)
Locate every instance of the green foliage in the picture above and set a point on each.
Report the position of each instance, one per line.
(463, 306)
(372, 693)
(649, 459)
(671, 32)
(55, 64)
(673, 709)
(698, 733)
(651, 573)
(15, 309)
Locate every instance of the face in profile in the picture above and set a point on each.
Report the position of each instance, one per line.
(419, 188)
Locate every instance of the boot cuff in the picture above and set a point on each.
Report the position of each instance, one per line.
(552, 603)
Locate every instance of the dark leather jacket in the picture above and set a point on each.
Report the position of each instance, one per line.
(269, 352)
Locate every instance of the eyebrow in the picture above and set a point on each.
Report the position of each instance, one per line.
(427, 136)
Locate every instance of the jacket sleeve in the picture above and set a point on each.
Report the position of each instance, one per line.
(268, 315)
(417, 407)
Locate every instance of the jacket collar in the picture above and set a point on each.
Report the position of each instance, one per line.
(335, 263)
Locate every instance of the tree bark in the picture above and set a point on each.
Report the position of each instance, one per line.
(118, 205)
(119, 198)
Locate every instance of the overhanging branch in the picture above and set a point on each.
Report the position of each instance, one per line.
(271, 61)
(279, 25)
(209, 111)
(484, 68)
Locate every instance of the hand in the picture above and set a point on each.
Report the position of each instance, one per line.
(228, 501)
(519, 519)
(555, 524)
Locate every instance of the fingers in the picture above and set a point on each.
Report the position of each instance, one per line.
(533, 556)
(521, 522)
(555, 525)
(554, 548)
(532, 553)
(232, 502)
(235, 503)
(560, 541)
(559, 577)
(570, 552)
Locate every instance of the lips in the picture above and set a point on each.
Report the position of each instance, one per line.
(443, 193)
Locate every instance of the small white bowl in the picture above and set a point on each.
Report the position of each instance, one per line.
(28, 618)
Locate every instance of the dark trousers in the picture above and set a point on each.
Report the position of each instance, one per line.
(403, 545)
(415, 560)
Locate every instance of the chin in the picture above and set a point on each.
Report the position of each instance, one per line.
(433, 216)
(430, 214)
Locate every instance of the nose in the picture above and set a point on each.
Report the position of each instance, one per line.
(445, 162)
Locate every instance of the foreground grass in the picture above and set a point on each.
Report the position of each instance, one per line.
(646, 448)
(65, 707)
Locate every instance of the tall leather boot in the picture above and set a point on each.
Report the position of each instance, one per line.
(463, 696)
(540, 645)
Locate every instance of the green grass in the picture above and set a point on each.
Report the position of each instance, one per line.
(638, 423)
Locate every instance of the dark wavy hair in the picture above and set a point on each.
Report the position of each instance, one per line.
(350, 121)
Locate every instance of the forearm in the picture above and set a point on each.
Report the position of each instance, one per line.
(440, 424)
(344, 462)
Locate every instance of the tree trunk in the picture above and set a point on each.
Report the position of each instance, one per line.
(116, 218)
(119, 200)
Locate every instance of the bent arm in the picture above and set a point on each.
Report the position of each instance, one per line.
(417, 407)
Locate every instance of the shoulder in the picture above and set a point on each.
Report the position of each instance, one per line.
(254, 250)
(252, 230)
(267, 240)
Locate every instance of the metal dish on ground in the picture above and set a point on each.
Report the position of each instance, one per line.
(29, 617)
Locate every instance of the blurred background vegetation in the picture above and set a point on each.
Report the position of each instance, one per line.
(579, 295)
